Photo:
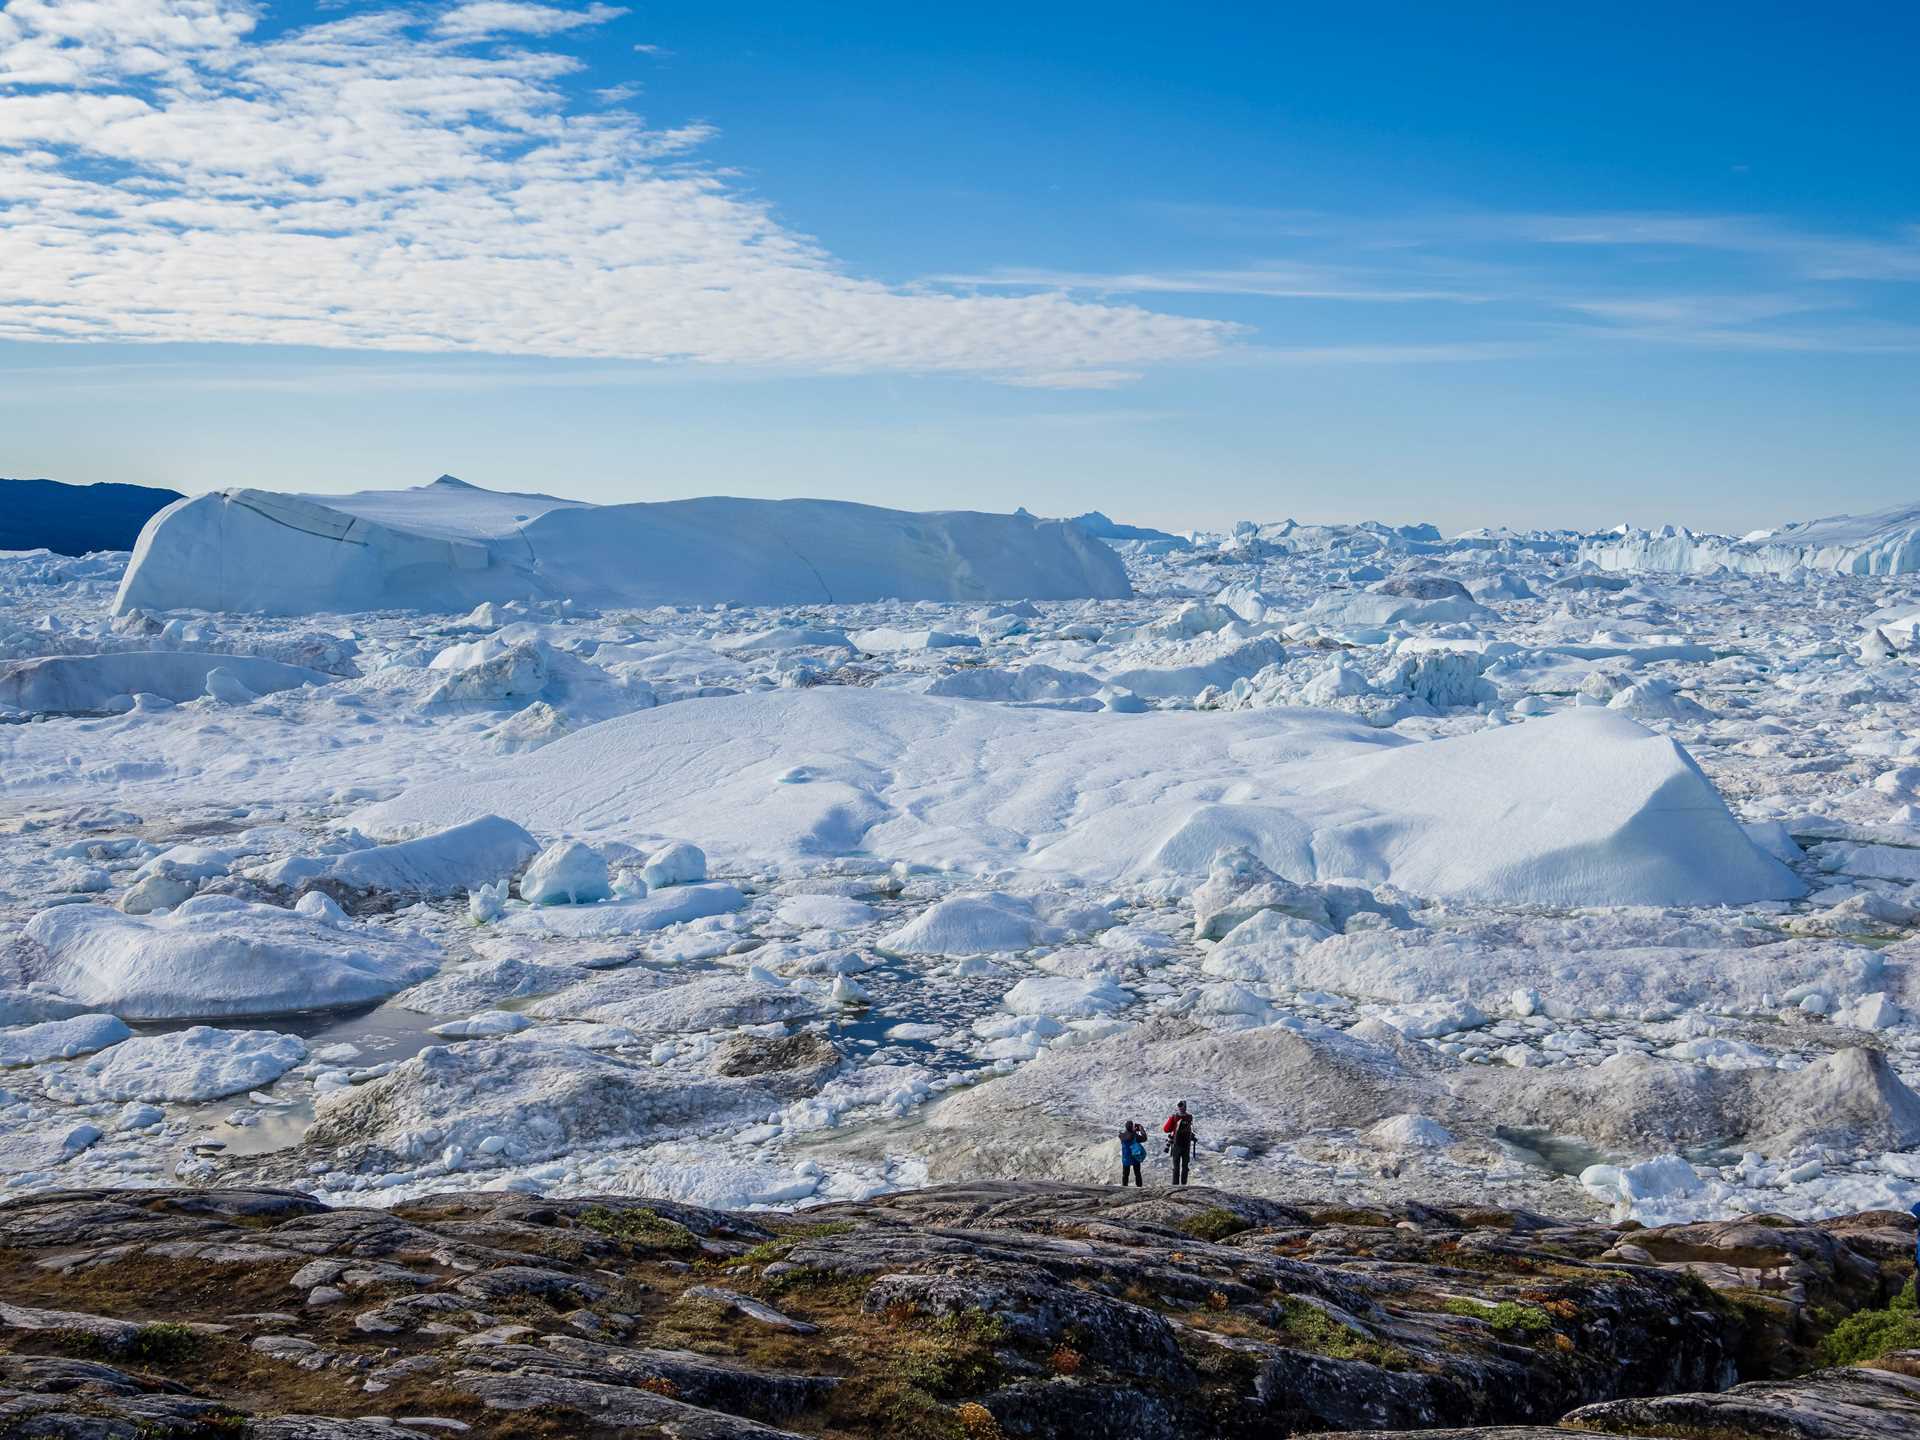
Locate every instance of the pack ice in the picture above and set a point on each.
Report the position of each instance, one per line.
(1589, 808)
(449, 545)
(1452, 869)
(80, 684)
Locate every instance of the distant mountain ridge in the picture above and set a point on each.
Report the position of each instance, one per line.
(76, 519)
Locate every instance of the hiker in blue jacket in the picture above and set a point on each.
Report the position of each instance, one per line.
(1133, 1152)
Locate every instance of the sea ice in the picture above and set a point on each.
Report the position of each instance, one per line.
(566, 873)
(654, 911)
(487, 1022)
(639, 1001)
(1587, 808)
(676, 864)
(1064, 998)
(519, 1099)
(974, 925)
(183, 1065)
(88, 684)
(217, 956)
(446, 862)
(1478, 806)
(824, 912)
(60, 1039)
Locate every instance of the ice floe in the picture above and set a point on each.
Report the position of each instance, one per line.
(201, 1063)
(217, 956)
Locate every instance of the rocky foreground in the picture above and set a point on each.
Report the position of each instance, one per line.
(971, 1311)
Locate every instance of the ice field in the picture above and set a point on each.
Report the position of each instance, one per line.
(770, 852)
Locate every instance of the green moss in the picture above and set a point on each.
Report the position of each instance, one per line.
(790, 1236)
(1214, 1224)
(162, 1344)
(892, 1407)
(640, 1227)
(954, 1354)
(1869, 1334)
(1350, 1215)
(1508, 1318)
(214, 1425)
(825, 1287)
(165, 1343)
(1304, 1326)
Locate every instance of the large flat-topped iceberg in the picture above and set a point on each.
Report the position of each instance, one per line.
(1884, 543)
(448, 546)
(1586, 808)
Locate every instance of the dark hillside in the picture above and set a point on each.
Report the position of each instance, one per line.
(74, 519)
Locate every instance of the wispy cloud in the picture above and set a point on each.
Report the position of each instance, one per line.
(1274, 280)
(480, 18)
(1892, 254)
(1495, 284)
(1076, 379)
(417, 178)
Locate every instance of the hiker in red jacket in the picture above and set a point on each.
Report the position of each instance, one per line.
(1179, 1133)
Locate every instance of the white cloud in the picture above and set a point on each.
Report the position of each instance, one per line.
(383, 181)
(502, 17)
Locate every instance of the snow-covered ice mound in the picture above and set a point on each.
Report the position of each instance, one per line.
(60, 1039)
(993, 923)
(1253, 1087)
(187, 1065)
(1632, 1101)
(1585, 808)
(462, 857)
(609, 919)
(638, 1000)
(1583, 965)
(81, 684)
(523, 1099)
(448, 545)
(216, 955)
(1289, 1084)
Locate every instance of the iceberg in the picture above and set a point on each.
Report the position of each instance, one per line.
(1586, 808)
(1886, 542)
(450, 546)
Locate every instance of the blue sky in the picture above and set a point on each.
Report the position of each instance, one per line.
(1472, 264)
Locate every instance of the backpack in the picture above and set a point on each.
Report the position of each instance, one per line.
(1135, 1152)
(1183, 1130)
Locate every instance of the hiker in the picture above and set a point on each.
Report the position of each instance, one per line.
(1133, 1152)
(1916, 1250)
(1179, 1133)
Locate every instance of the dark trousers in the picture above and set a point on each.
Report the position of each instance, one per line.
(1132, 1169)
(1182, 1155)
